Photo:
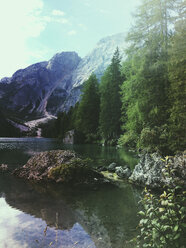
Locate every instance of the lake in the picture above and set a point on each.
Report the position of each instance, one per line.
(41, 215)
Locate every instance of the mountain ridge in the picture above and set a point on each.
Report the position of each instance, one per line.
(55, 85)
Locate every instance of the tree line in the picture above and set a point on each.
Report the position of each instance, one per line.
(6, 128)
(140, 103)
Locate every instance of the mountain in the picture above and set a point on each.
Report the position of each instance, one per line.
(97, 61)
(55, 85)
(27, 92)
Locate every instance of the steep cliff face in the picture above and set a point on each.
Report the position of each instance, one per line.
(27, 92)
(55, 85)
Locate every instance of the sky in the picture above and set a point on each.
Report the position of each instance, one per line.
(34, 30)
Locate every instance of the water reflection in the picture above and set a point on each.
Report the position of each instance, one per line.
(20, 230)
(104, 217)
(16, 151)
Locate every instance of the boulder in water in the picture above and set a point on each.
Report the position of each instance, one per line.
(58, 166)
(111, 167)
(123, 172)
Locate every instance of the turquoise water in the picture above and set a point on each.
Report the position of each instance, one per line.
(57, 216)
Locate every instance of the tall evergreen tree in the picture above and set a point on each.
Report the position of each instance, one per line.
(110, 106)
(177, 75)
(87, 117)
(145, 90)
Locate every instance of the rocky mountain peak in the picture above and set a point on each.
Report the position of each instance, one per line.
(117, 39)
(29, 89)
(27, 74)
(63, 61)
(99, 59)
(55, 85)
(5, 80)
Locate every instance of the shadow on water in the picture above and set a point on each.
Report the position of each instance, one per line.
(101, 217)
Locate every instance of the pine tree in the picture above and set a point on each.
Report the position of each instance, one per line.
(145, 90)
(89, 106)
(177, 76)
(110, 106)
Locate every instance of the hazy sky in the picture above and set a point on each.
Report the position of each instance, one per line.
(34, 30)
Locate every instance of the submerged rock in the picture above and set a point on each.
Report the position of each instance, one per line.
(155, 171)
(58, 166)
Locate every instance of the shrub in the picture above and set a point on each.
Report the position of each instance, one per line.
(148, 138)
(163, 220)
(163, 223)
(76, 171)
(128, 139)
(153, 139)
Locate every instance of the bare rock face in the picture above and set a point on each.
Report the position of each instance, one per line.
(28, 90)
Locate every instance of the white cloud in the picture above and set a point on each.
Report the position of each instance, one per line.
(104, 11)
(72, 32)
(82, 26)
(87, 3)
(61, 20)
(57, 16)
(9, 220)
(19, 21)
(56, 12)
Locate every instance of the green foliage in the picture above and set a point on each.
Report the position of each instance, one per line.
(162, 221)
(76, 171)
(83, 117)
(6, 128)
(128, 139)
(49, 129)
(177, 76)
(146, 74)
(148, 136)
(154, 93)
(153, 139)
(92, 138)
(150, 105)
(110, 103)
(64, 122)
(87, 117)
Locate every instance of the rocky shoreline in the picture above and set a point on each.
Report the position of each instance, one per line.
(154, 171)
(63, 166)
